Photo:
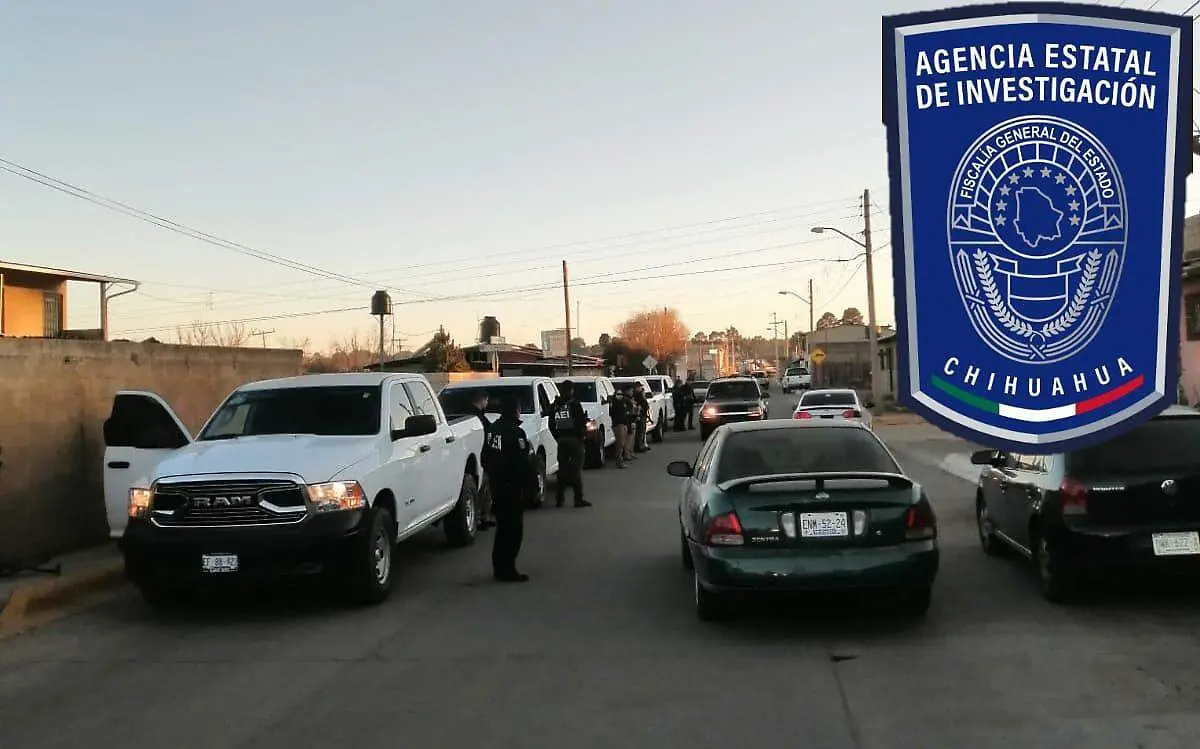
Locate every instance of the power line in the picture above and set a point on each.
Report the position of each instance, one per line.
(174, 226)
(292, 315)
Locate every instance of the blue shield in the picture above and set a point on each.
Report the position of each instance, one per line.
(1038, 154)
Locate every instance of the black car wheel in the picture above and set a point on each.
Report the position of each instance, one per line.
(915, 602)
(710, 606)
(659, 427)
(987, 529)
(462, 524)
(597, 456)
(369, 572)
(1058, 580)
(538, 496)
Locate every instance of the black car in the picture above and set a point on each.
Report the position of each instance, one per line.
(1131, 503)
(732, 399)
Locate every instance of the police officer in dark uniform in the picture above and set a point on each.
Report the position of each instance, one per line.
(681, 399)
(508, 462)
(568, 424)
(640, 443)
(692, 401)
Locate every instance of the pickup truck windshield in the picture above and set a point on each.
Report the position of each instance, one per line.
(1166, 445)
(656, 385)
(338, 411)
(459, 401)
(735, 389)
(625, 387)
(585, 392)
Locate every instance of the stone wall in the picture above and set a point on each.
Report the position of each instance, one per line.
(54, 398)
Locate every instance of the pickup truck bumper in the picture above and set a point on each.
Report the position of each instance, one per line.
(309, 546)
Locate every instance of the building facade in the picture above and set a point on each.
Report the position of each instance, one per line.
(33, 301)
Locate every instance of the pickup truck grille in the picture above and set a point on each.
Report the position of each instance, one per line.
(225, 503)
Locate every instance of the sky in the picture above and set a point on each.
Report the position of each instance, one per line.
(673, 153)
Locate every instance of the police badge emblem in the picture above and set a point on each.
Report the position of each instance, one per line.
(1038, 154)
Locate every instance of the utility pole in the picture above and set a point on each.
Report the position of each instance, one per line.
(262, 334)
(578, 316)
(872, 331)
(567, 311)
(775, 323)
(811, 303)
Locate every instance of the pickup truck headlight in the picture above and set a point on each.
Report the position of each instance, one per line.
(337, 495)
(139, 502)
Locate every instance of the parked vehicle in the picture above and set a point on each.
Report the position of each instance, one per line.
(320, 473)
(700, 389)
(535, 395)
(729, 400)
(785, 506)
(1127, 504)
(835, 405)
(594, 394)
(658, 405)
(796, 378)
(660, 385)
(760, 376)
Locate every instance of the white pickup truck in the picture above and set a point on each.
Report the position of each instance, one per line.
(660, 404)
(535, 394)
(796, 377)
(310, 474)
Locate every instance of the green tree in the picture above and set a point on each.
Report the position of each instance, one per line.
(443, 355)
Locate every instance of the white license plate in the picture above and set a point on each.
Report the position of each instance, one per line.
(219, 562)
(1176, 544)
(824, 525)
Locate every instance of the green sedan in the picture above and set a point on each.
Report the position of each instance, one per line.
(791, 506)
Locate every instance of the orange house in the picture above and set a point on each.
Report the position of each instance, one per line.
(33, 301)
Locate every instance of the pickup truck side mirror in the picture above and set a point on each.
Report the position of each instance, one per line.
(416, 426)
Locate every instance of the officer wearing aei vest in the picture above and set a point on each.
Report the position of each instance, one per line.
(568, 424)
(508, 462)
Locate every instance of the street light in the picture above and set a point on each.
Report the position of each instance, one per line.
(865, 243)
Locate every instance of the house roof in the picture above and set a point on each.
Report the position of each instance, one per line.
(67, 275)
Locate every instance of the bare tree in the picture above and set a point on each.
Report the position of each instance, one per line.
(229, 335)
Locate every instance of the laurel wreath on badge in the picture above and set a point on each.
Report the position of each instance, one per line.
(1060, 324)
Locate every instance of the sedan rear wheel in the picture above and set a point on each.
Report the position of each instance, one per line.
(710, 606)
(987, 529)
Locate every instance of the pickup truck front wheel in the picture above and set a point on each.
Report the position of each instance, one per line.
(369, 572)
(538, 497)
(462, 523)
(659, 428)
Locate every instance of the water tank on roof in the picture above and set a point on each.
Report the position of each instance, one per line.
(489, 328)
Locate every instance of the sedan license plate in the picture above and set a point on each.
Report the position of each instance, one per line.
(1176, 544)
(217, 563)
(823, 525)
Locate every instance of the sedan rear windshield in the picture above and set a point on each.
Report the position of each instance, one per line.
(1166, 445)
(459, 401)
(734, 389)
(340, 411)
(769, 452)
(816, 400)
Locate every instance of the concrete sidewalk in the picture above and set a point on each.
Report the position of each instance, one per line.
(25, 595)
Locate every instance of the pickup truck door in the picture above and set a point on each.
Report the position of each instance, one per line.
(140, 432)
(442, 480)
(547, 393)
(404, 471)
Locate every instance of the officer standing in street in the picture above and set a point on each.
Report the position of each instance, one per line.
(640, 444)
(508, 464)
(568, 425)
(622, 411)
(680, 399)
(692, 402)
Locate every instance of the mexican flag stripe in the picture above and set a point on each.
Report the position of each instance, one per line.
(1039, 414)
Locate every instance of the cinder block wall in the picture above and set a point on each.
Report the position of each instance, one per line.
(54, 398)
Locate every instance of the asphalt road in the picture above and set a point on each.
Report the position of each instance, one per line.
(601, 649)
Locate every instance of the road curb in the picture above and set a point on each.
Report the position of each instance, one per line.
(34, 596)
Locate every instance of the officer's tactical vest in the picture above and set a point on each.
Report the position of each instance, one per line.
(564, 422)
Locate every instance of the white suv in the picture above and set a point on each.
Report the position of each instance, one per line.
(796, 378)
